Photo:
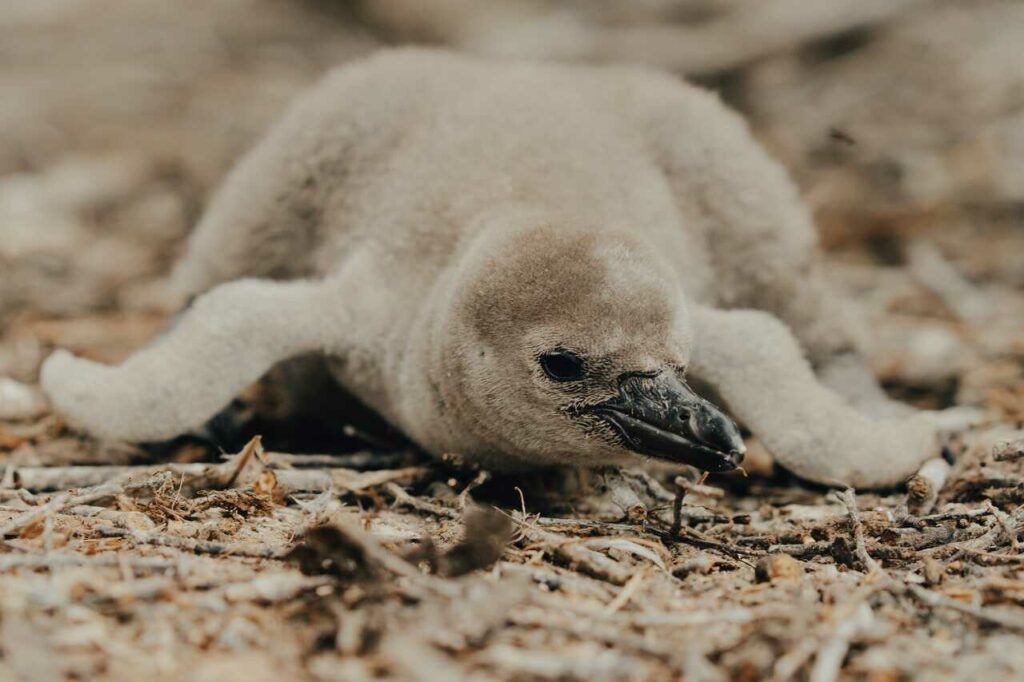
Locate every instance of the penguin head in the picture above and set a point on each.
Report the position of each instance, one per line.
(570, 345)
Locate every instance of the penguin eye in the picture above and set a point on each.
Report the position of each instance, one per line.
(562, 365)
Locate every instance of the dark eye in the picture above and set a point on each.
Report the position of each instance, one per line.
(562, 365)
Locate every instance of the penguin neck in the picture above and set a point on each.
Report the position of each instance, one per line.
(432, 397)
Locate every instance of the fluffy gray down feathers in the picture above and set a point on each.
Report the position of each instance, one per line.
(432, 222)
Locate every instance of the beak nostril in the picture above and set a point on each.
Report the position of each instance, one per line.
(636, 378)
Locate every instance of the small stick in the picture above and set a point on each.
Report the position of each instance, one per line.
(699, 488)
(692, 537)
(1006, 524)
(789, 663)
(849, 500)
(626, 593)
(53, 560)
(128, 519)
(480, 479)
(850, 620)
(575, 554)
(952, 515)
(289, 480)
(253, 447)
(402, 497)
(589, 629)
(928, 266)
(59, 503)
(935, 600)
(364, 460)
(677, 508)
(924, 486)
(603, 527)
(144, 537)
(992, 559)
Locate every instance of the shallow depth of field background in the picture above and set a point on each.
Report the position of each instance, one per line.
(903, 123)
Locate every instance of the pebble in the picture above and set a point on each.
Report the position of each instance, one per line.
(19, 401)
(778, 567)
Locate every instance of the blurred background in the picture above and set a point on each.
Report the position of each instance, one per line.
(902, 120)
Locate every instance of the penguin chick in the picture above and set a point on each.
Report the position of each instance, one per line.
(517, 262)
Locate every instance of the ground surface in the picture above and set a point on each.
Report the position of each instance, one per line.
(179, 563)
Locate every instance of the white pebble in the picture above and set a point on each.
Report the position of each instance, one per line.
(19, 401)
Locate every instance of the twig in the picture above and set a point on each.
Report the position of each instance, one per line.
(992, 559)
(1006, 524)
(654, 552)
(402, 497)
(364, 460)
(854, 618)
(928, 266)
(480, 479)
(935, 600)
(691, 618)
(626, 593)
(699, 488)
(581, 558)
(144, 537)
(810, 551)
(53, 560)
(572, 552)
(677, 508)
(790, 662)
(59, 503)
(695, 538)
(849, 500)
(553, 618)
(253, 447)
(980, 543)
(951, 515)
(289, 480)
(923, 487)
(603, 527)
(128, 519)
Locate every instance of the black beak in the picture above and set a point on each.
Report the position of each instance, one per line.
(662, 417)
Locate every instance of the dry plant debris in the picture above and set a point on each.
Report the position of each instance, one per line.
(408, 579)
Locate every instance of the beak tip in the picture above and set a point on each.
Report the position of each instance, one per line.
(736, 454)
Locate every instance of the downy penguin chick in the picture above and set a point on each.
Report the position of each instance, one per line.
(521, 263)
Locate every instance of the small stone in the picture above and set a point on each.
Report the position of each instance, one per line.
(778, 567)
(19, 401)
(1008, 450)
(933, 570)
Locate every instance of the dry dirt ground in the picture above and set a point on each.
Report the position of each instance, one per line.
(275, 561)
